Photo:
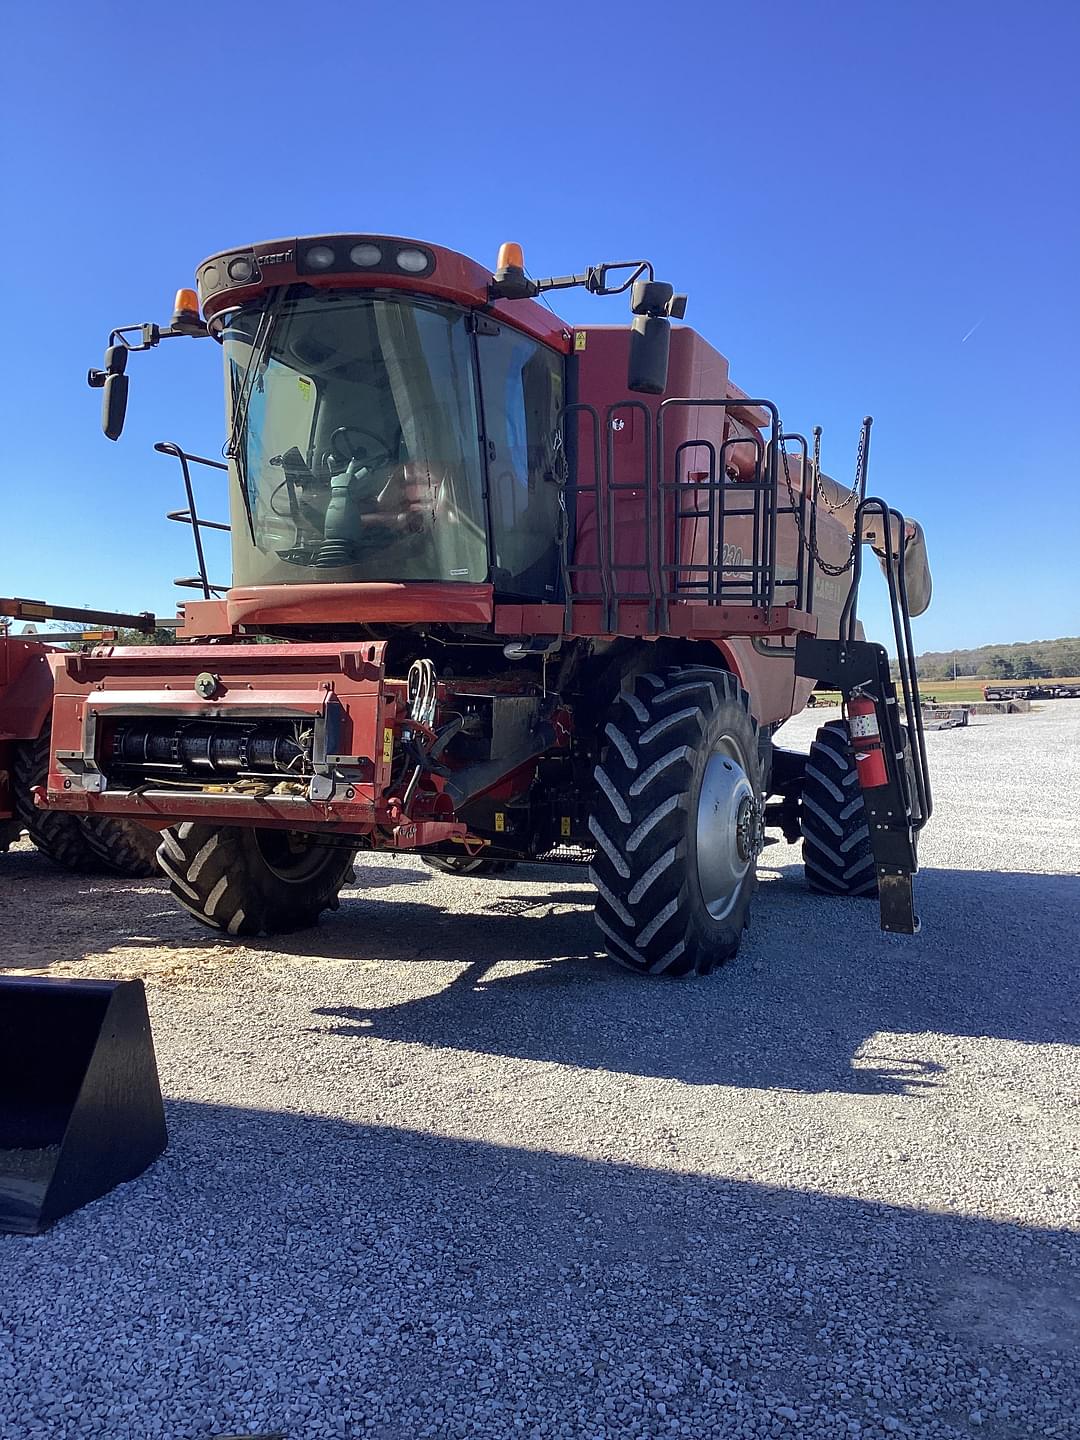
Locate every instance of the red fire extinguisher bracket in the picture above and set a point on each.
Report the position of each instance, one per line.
(866, 743)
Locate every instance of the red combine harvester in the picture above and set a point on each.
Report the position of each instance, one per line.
(503, 590)
(77, 842)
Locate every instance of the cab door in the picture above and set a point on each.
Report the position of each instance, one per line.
(522, 385)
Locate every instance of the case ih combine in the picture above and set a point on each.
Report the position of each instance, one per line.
(503, 590)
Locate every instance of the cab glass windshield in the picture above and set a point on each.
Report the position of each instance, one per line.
(354, 435)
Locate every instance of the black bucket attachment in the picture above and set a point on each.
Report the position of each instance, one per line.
(80, 1103)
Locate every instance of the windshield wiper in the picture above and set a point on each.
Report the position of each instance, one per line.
(257, 361)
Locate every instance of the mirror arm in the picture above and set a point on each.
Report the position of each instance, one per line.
(511, 283)
(150, 336)
(595, 278)
(112, 377)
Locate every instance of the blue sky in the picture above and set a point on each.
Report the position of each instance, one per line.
(846, 191)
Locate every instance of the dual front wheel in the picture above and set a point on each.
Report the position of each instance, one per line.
(678, 821)
(253, 882)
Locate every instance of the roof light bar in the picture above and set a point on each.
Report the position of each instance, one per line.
(348, 253)
(324, 255)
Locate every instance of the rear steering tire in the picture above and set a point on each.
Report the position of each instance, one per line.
(248, 881)
(837, 856)
(677, 821)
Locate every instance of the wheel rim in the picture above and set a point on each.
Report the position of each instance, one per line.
(290, 855)
(728, 829)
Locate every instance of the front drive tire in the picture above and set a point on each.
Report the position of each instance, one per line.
(837, 856)
(677, 821)
(248, 881)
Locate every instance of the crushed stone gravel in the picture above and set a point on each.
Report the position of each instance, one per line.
(437, 1169)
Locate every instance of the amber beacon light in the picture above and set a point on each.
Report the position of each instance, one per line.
(510, 281)
(186, 311)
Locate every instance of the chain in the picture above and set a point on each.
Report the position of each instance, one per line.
(811, 548)
(560, 475)
(853, 493)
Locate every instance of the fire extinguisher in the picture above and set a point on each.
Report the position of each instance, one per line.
(866, 742)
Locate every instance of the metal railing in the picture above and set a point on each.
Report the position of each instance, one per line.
(672, 564)
(190, 516)
(916, 788)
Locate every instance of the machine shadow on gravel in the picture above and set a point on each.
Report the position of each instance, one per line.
(326, 1267)
(817, 1001)
(798, 1009)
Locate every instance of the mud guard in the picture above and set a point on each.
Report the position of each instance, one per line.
(861, 668)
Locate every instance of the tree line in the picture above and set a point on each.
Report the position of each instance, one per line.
(1029, 660)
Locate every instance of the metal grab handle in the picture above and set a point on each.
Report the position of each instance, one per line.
(190, 516)
(905, 650)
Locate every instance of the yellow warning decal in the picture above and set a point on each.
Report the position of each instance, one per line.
(581, 339)
(564, 826)
(387, 745)
(500, 820)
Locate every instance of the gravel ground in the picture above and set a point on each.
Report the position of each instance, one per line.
(437, 1169)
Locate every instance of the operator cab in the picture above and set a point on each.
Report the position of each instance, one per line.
(395, 411)
(379, 437)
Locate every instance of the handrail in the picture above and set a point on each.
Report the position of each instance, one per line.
(190, 516)
(905, 647)
(668, 571)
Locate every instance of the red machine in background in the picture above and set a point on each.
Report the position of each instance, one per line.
(502, 590)
(84, 843)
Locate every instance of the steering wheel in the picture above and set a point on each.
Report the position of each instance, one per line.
(345, 446)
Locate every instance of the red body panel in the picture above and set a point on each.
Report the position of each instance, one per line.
(697, 371)
(341, 686)
(688, 621)
(25, 697)
(382, 602)
(25, 687)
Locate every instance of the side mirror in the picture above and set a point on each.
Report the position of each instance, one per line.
(114, 382)
(650, 346)
(651, 302)
(114, 406)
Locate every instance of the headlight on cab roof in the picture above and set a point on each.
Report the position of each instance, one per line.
(345, 254)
